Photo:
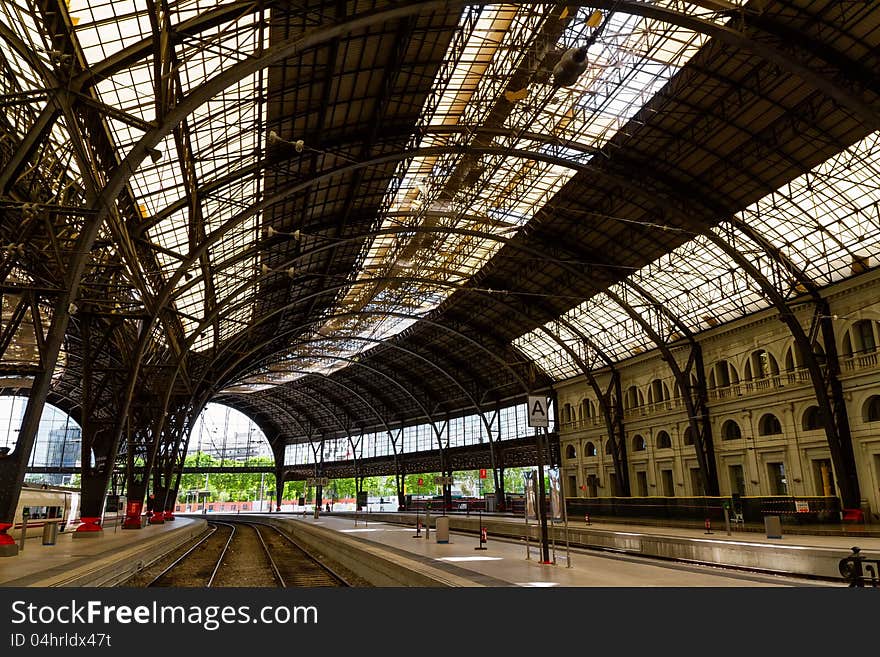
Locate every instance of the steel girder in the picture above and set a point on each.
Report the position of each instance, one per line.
(825, 382)
(628, 4)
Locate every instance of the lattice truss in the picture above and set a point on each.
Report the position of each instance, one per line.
(219, 138)
(444, 213)
(826, 222)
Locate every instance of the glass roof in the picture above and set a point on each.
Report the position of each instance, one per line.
(220, 137)
(629, 62)
(823, 221)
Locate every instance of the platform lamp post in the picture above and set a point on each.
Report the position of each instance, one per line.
(418, 533)
(539, 418)
(481, 546)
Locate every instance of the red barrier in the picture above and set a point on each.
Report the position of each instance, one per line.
(89, 525)
(133, 515)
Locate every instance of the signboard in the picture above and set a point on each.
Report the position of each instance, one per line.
(442, 481)
(317, 481)
(529, 480)
(482, 473)
(802, 506)
(555, 493)
(421, 482)
(538, 411)
(112, 503)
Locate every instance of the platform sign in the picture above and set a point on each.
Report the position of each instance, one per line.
(442, 481)
(482, 473)
(112, 504)
(317, 481)
(538, 411)
(421, 482)
(530, 484)
(555, 493)
(802, 506)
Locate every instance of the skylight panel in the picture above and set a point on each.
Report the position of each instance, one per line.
(632, 60)
(824, 221)
(104, 28)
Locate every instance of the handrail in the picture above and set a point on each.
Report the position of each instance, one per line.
(860, 571)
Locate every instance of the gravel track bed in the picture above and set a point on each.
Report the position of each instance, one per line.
(296, 567)
(245, 562)
(196, 569)
(143, 577)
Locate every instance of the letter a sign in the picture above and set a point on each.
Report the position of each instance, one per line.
(538, 416)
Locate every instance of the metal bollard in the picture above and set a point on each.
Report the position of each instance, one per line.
(851, 568)
(24, 523)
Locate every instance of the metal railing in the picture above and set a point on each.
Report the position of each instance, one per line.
(800, 376)
(859, 361)
(860, 571)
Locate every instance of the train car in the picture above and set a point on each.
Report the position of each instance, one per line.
(55, 502)
(44, 504)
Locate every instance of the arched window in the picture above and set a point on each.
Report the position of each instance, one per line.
(723, 374)
(570, 452)
(663, 440)
(566, 413)
(730, 431)
(633, 398)
(769, 425)
(872, 409)
(760, 365)
(658, 391)
(639, 444)
(588, 409)
(861, 337)
(590, 449)
(688, 436)
(790, 364)
(608, 446)
(58, 443)
(812, 419)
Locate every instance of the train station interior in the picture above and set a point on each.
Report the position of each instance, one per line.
(574, 294)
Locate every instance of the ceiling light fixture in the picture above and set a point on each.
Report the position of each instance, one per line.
(290, 271)
(273, 139)
(271, 232)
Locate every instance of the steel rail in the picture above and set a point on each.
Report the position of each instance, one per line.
(307, 552)
(176, 562)
(275, 571)
(222, 553)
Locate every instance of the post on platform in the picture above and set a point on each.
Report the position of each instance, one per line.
(483, 532)
(418, 533)
(539, 418)
(25, 515)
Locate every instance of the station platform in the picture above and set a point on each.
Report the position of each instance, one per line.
(100, 561)
(505, 562)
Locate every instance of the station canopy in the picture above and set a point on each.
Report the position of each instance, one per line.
(343, 215)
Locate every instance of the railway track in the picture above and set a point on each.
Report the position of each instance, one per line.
(246, 554)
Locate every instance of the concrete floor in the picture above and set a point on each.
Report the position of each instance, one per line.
(52, 565)
(504, 563)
